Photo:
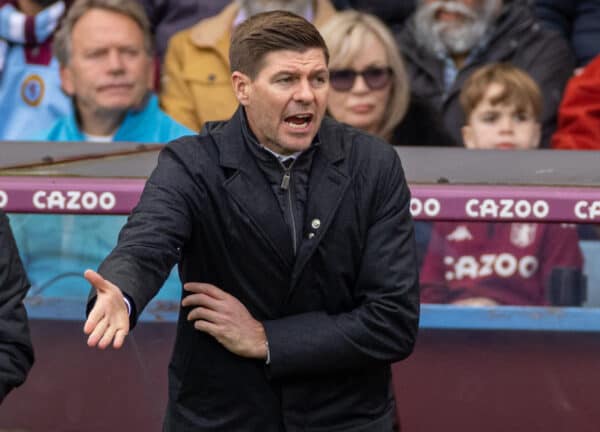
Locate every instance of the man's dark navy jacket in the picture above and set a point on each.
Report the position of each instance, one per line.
(16, 352)
(336, 313)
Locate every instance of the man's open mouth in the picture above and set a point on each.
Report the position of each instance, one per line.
(299, 121)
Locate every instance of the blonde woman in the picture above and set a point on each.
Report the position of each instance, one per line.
(370, 89)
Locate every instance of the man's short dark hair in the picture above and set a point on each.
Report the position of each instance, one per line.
(263, 33)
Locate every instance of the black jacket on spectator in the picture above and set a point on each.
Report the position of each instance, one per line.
(516, 38)
(421, 126)
(16, 352)
(578, 21)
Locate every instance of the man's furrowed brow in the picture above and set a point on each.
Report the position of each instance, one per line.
(320, 71)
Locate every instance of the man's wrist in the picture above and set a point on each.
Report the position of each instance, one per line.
(128, 305)
(262, 345)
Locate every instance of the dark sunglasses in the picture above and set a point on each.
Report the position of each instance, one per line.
(375, 78)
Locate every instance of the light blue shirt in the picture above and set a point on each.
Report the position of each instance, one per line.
(149, 125)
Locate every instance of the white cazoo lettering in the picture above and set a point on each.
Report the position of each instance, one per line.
(73, 200)
(506, 208)
(504, 265)
(3, 199)
(431, 207)
(587, 210)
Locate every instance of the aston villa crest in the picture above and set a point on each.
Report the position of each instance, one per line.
(522, 234)
(32, 90)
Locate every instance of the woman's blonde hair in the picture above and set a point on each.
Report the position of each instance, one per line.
(345, 34)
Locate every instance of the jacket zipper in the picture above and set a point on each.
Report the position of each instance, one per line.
(285, 185)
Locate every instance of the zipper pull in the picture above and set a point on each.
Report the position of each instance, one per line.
(285, 181)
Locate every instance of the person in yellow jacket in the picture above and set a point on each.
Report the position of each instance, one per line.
(196, 85)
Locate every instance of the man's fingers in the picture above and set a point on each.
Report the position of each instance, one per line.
(107, 337)
(115, 335)
(98, 332)
(204, 288)
(119, 338)
(207, 327)
(96, 314)
(200, 313)
(195, 286)
(107, 332)
(201, 300)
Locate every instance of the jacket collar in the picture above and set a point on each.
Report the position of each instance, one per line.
(232, 147)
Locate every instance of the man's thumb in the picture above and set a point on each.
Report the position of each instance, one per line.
(97, 281)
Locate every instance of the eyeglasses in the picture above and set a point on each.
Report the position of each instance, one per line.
(375, 78)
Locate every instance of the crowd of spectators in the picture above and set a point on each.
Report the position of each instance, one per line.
(154, 70)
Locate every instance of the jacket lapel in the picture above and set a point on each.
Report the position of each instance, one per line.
(326, 188)
(250, 190)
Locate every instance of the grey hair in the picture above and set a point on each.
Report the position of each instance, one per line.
(130, 8)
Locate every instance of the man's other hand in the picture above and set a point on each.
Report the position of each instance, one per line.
(226, 319)
(108, 321)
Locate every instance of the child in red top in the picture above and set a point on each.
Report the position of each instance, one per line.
(482, 263)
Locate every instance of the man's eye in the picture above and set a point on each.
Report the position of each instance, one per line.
(132, 52)
(94, 54)
(320, 80)
(521, 116)
(285, 79)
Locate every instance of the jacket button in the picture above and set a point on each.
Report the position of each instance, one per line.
(311, 235)
(316, 223)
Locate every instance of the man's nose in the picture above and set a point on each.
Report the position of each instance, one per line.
(304, 92)
(115, 61)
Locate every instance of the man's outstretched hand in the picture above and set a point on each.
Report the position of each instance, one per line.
(108, 321)
(225, 318)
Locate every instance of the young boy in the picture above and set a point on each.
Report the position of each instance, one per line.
(483, 263)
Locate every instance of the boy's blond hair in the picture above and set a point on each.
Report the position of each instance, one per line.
(518, 89)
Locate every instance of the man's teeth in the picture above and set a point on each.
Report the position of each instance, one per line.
(297, 125)
(305, 117)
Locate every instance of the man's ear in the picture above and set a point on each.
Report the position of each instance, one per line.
(467, 135)
(242, 87)
(66, 80)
